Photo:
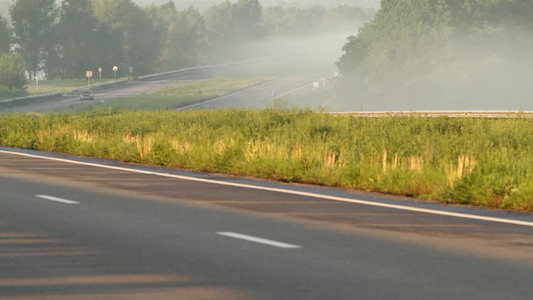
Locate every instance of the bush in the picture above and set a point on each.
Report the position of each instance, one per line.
(13, 71)
(7, 93)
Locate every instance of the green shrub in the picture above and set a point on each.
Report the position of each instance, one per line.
(7, 93)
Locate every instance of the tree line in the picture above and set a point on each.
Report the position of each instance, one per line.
(65, 40)
(458, 44)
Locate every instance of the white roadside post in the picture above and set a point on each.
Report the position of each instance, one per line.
(115, 68)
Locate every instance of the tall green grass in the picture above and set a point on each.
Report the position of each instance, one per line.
(475, 161)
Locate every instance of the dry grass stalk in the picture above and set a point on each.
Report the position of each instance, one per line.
(144, 146)
(384, 162)
(84, 136)
(330, 159)
(465, 165)
(181, 147)
(415, 163)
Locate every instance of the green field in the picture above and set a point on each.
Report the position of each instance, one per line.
(62, 86)
(174, 96)
(476, 161)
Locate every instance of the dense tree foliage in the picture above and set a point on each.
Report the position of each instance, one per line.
(203, 5)
(66, 40)
(230, 24)
(32, 24)
(412, 42)
(187, 39)
(5, 36)
(135, 33)
(314, 20)
(75, 35)
(13, 72)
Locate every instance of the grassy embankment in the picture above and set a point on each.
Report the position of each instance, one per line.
(48, 86)
(476, 161)
(44, 87)
(175, 96)
(62, 86)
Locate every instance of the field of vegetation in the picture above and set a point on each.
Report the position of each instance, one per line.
(175, 96)
(62, 86)
(474, 161)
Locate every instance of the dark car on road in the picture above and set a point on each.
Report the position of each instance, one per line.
(87, 95)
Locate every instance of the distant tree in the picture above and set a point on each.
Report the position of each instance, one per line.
(412, 42)
(314, 20)
(76, 32)
(231, 24)
(109, 51)
(220, 23)
(162, 18)
(248, 15)
(187, 39)
(5, 36)
(274, 20)
(345, 17)
(13, 71)
(32, 25)
(138, 39)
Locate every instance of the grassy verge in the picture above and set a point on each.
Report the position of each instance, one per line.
(484, 162)
(175, 96)
(62, 86)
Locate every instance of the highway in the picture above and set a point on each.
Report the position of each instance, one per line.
(80, 228)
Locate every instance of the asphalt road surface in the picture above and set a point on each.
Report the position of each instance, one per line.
(78, 228)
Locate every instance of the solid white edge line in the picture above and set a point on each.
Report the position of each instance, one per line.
(258, 240)
(57, 199)
(305, 194)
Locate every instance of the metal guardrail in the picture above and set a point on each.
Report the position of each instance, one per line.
(198, 68)
(449, 113)
(31, 97)
(170, 73)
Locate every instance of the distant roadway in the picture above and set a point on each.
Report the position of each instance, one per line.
(80, 228)
(259, 96)
(128, 89)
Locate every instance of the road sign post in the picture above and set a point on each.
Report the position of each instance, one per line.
(115, 68)
(89, 75)
(100, 71)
